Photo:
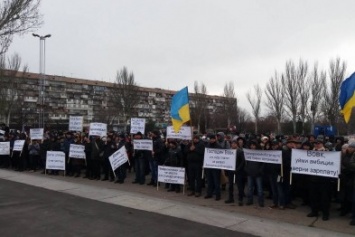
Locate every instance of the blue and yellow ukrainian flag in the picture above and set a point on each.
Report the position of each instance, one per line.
(347, 97)
(180, 110)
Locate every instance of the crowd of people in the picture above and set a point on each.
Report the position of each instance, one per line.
(250, 178)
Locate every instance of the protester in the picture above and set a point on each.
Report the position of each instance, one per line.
(213, 175)
(255, 171)
(195, 153)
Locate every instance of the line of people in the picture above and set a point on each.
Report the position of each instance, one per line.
(251, 178)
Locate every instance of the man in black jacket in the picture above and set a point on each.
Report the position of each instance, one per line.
(213, 175)
(195, 153)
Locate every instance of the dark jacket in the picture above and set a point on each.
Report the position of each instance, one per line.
(240, 161)
(195, 156)
(174, 158)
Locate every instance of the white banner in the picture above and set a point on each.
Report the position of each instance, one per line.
(55, 160)
(171, 175)
(118, 158)
(2, 131)
(77, 151)
(143, 144)
(183, 134)
(4, 148)
(266, 156)
(137, 125)
(224, 159)
(18, 145)
(76, 123)
(318, 163)
(36, 133)
(98, 129)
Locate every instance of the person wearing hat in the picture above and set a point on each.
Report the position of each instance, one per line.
(240, 175)
(255, 171)
(213, 175)
(156, 157)
(320, 189)
(175, 159)
(139, 162)
(195, 151)
(67, 141)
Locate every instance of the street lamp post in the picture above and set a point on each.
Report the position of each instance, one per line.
(42, 79)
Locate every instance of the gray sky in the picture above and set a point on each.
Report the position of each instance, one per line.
(170, 44)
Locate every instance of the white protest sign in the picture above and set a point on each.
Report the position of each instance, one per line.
(18, 145)
(4, 148)
(36, 133)
(98, 129)
(143, 144)
(137, 125)
(318, 163)
(183, 134)
(118, 158)
(266, 156)
(76, 123)
(55, 160)
(2, 131)
(171, 175)
(77, 151)
(224, 159)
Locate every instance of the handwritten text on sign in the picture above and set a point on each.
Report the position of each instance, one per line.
(118, 158)
(36, 133)
(76, 123)
(266, 156)
(137, 125)
(143, 144)
(4, 148)
(183, 134)
(98, 129)
(319, 163)
(171, 175)
(219, 159)
(77, 151)
(55, 160)
(18, 145)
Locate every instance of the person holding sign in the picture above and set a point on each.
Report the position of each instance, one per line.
(33, 150)
(195, 152)
(320, 189)
(239, 172)
(175, 159)
(140, 162)
(213, 175)
(255, 171)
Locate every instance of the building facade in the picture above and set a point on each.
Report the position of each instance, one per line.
(91, 99)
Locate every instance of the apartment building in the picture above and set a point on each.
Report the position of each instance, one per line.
(91, 99)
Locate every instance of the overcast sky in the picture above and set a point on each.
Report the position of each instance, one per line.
(171, 44)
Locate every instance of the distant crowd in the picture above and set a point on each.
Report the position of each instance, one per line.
(250, 178)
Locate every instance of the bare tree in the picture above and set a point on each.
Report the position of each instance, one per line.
(125, 94)
(331, 108)
(10, 85)
(243, 117)
(292, 99)
(255, 104)
(303, 91)
(17, 17)
(229, 103)
(199, 104)
(275, 99)
(317, 81)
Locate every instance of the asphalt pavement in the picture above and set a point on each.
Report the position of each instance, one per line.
(128, 200)
(31, 211)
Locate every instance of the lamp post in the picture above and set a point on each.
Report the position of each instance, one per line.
(42, 79)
